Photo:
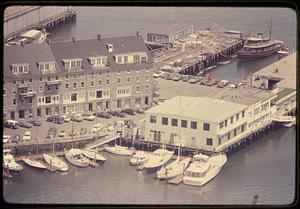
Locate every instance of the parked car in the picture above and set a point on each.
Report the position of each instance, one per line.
(156, 94)
(25, 124)
(6, 138)
(186, 78)
(104, 114)
(76, 118)
(51, 132)
(97, 128)
(211, 82)
(62, 134)
(50, 119)
(35, 122)
(58, 119)
(16, 138)
(121, 114)
(66, 118)
(27, 136)
(194, 80)
(222, 83)
(88, 116)
(129, 111)
(177, 78)
(157, 74)
(11, 124)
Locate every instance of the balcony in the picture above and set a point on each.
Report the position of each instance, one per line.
(27, 94)
(53, 82)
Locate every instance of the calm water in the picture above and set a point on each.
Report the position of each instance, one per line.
(266, 168)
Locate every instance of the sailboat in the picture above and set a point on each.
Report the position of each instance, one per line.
(93, 155)
(55, 162)
(29, 160)
(76, 157)
(173, 169)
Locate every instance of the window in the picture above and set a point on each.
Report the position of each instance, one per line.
(107, 81)
(74, 85)
(143, 59)
(209, 141)
(237, 116)
(92, 83)
(48, 100)
(221, 125)
(119, 59)
(4, 92)
(228, 135)
(67, 85)
(220, 140)
(49, 88)
(99, 94)
(73, 97)
(128, 79)
(152, 119)
(137, 79)
(206, 126)
(137, 89)
(147, 77)
(136, 58)
(174, 122)
(119, 71)
(193, 125)
(119, 80)
(99, 82)
(119, 103)
(147, 87)
(243, 113)
(14, 102)
(67, 77)
(125, 59)
(184, 123)
(41, 79)
(14, 81)
(234, 132)
(30, 80)
(41, 88)
(225, 123)
(82, 84)
(231, 120)
(164, 121)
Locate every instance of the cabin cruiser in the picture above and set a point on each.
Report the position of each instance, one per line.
(158, 158)
(9, 162)
(55, 162)
(76, 157)
(33, 162)
(93, 155)
(118, 150)
(173, 169)
(139, 157)
(29, 37)
(203, 169)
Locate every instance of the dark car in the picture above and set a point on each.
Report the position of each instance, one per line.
(103, 115)
(51, 132)
(35, 122)
(129, 111)
(25, 124)
(121, 114)
(58, 119)
(50, 119)
(16, 138)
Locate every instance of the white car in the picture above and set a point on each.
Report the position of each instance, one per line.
(110, 127)
(6, 138)
(27, 136)
(66, 118)
(157, 74)
(97, 128)
(88, 116)
(62, 134)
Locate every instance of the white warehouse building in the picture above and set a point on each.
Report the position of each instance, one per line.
(196, 122)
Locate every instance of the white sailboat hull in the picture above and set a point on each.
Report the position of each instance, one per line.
(118, 150)
(75, 157)
(33, 163)
(92, 155)
(155, 161)
(174, 169)
(55, 162)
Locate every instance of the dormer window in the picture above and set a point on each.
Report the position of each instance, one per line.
(47, 67)
(19, 69)
(72, 64)
(109, 47)
(131, 58)
(97, 62)
(136, 58)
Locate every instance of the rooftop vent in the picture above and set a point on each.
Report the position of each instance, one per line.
(73, 39)
(109, 47)
(99, 37)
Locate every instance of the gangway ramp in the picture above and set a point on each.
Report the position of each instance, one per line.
(284, 118)
(101, 141)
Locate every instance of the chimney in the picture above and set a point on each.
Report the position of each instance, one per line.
(99, 37)
(73, 39)
(22, 43)
(109, 47)
(138, 33)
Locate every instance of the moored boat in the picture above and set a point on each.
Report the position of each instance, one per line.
(10, 164)
(93, 155)
(118, 150)
(199, 173)
(33, 162)
(173, 169)
(29, 37)
(76, 157)
(158, 158)
(139, 157)
(55, 162)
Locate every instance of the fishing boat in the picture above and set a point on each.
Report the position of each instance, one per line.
(76, 157)
(158, 158)
(55, 162)
(10, 164)
(29, 37)
(139, 158)
(201, 172)
(118, 150)
(173, 169)
(33, 162)
(93, 155)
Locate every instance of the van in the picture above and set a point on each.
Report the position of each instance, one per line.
(12, 124)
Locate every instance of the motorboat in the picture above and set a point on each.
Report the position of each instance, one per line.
(283, 53)
(9, 163)
(29, 37)
(55, 162)
(33, 162)
(158, 158)
(118, 150)
(199, 173)
(139, 157)
(93, 155)
(76, 157)
(173, 169)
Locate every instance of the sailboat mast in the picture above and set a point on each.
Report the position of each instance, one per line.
(270, 32)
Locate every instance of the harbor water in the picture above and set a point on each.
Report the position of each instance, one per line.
(266, 167)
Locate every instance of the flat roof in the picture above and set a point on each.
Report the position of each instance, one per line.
(203, 108)
(286, 71)
(168, 29)
(244, 95)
